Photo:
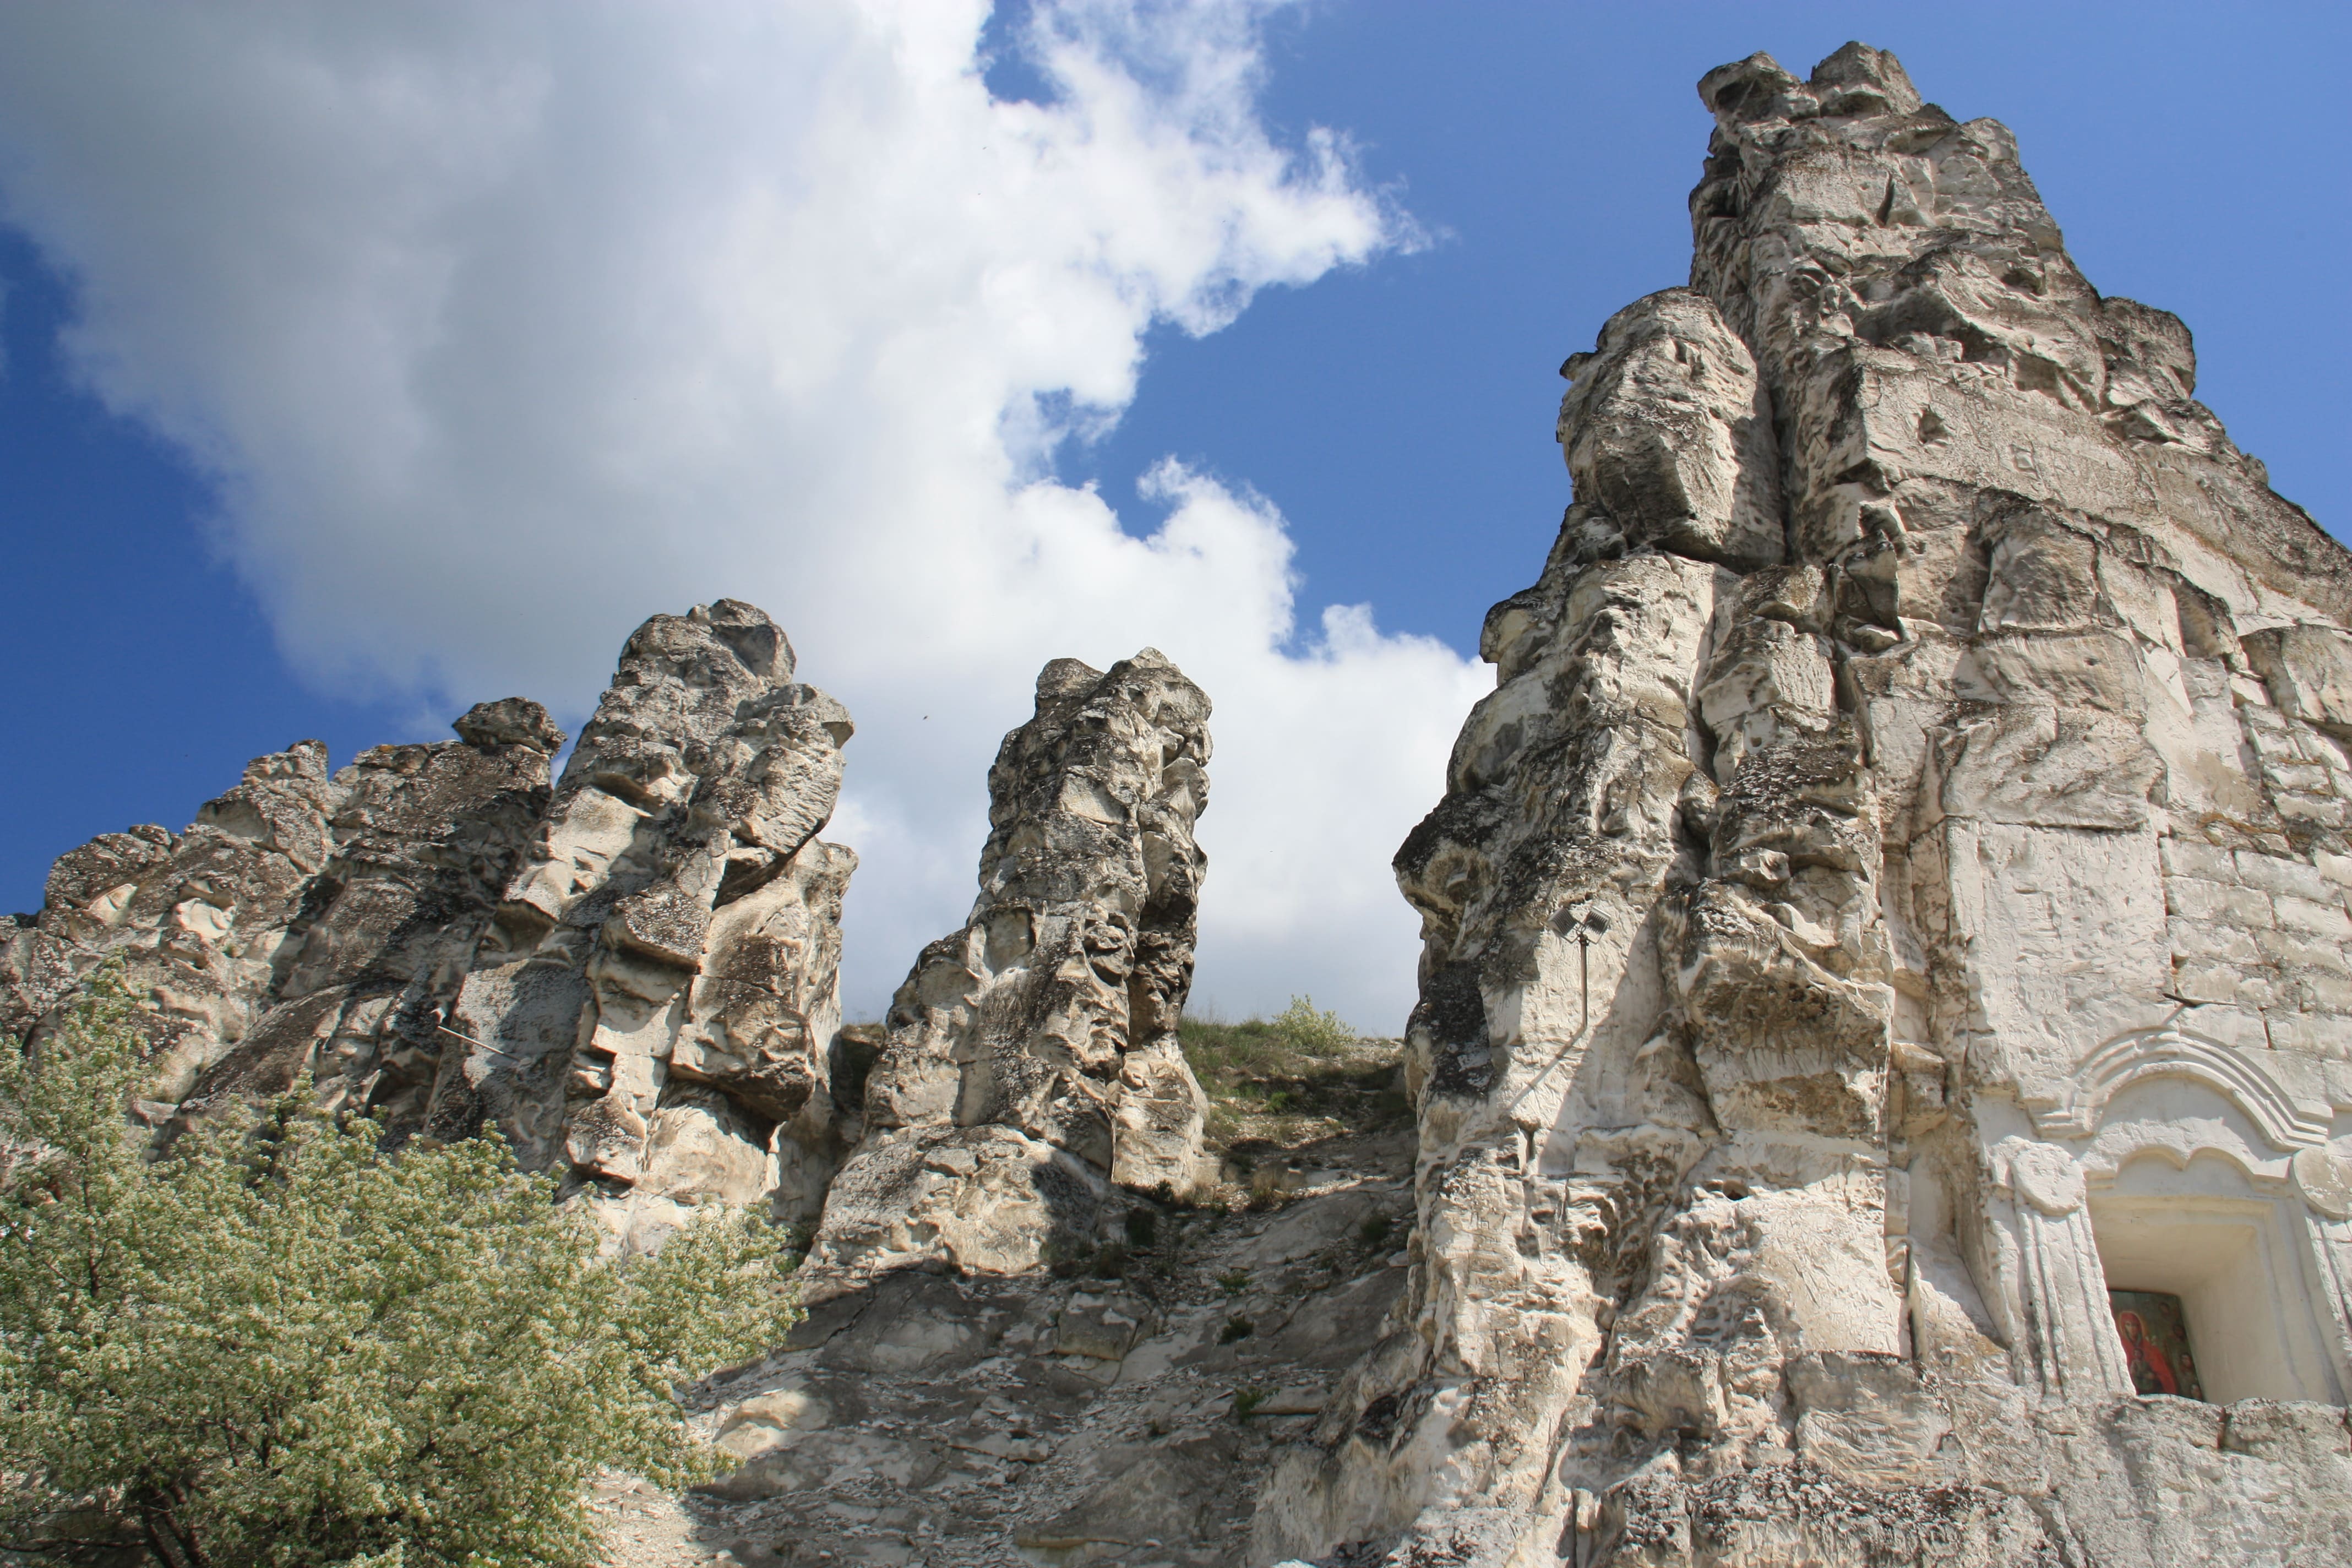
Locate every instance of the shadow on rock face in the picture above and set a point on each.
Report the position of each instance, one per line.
(1119, 1404)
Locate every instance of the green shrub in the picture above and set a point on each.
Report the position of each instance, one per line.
(1313, 1033)
(1269, 1065)
(278, 1346)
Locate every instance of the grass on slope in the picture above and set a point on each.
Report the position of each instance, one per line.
(1299, 1075)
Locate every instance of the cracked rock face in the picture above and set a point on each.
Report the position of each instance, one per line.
(1896, 895)
(303, 922)
(1033, 1067)
(653, 1006)
(634, 975)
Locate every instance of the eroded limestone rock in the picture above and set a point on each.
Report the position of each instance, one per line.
(653, 1006)
(1033, 1067)
(634, 976)
(303, 922)
(1896, 894)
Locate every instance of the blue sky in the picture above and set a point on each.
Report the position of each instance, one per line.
(217, 545)
(1400, 414)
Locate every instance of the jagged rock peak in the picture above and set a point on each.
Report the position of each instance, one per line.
(1032, 1064)
(1857, 80)
(633, 972)
(303, 922)
(655, 1006)
(1896, 902)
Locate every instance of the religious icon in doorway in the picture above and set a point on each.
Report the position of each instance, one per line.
(2155, 1342)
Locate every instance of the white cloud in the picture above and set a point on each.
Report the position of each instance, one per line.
(503, 326)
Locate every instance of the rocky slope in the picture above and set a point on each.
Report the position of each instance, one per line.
(1895, 894)
(1122, 1404)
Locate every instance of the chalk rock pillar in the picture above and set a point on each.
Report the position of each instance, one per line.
(655, 1006)
(1033, 1065)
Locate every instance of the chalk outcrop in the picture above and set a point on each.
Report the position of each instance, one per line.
(632, 975)
(303, 922)
(653, 1006)
(1032, 1069)
(1896, 895)
(1882, 1066)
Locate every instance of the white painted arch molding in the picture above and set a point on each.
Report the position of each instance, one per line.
(2288, 1118)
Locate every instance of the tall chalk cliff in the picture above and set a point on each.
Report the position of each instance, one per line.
(1895, 897)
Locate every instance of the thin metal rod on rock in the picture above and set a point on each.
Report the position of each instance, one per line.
(1584, 976)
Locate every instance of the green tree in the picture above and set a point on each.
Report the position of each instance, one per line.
(278, 1345)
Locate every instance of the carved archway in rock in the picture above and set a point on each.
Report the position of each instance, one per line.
(2203, 1172)
(2289, 1120)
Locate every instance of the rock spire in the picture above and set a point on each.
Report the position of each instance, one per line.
(653, 1006)
(1890, 912)
(1032, 1064)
